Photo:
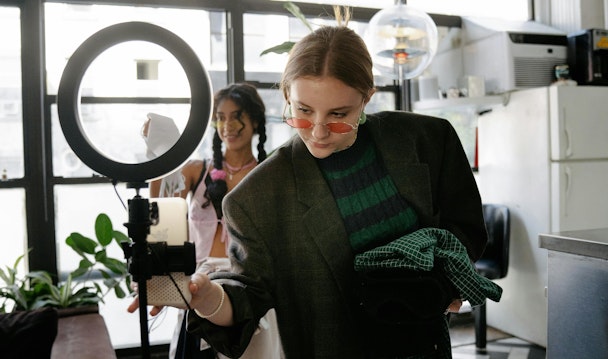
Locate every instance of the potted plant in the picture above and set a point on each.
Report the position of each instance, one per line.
(37, 289)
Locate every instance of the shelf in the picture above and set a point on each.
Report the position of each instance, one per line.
(479, 104)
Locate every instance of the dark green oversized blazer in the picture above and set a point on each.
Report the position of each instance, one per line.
(291, 250)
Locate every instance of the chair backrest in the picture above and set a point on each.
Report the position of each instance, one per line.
(494, 262)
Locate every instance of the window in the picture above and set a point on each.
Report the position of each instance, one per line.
(12, 200)
(11, 121)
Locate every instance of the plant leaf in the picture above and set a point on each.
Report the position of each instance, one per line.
(81, 244)
(119, 292)
(120, 237)
(116, 266)
(103, 229)
(279, 49)
(101, 255)
(295, 11)
(84, 266)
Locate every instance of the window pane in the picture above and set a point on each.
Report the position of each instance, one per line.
(12, 222)
(114, 73)
(11, 121)
(504, 9)
(464, 121)
(262, 32)
(193, 26)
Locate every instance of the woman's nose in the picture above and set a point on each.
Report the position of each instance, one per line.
(232, 125)
(319, 129)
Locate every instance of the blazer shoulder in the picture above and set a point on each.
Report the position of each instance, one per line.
(401, 122)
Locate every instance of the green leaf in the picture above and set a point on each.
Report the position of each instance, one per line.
(40, 277)
(84, 266)
(101, 256)
(103, 229)
(279, 49)
(81, 244)
(116, 266)
(120, 237)
(295, 11)
(119, 292)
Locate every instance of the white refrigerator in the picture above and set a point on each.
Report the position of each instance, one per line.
(545, 155)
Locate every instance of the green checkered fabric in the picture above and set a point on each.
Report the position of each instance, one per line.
(420, 249)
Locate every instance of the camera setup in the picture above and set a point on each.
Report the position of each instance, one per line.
(159, 251)
(171, 258)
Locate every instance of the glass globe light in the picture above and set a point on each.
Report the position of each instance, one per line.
(402, 41)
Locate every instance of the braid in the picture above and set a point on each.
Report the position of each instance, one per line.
(216, 190)
(261, 141)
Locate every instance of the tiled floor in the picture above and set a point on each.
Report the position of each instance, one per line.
(500, 345)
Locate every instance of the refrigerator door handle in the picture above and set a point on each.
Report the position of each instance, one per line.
(568, 175)
(567, 135)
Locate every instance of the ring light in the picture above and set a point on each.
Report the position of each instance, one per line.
(68, 99)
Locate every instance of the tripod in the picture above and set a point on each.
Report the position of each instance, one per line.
(138, 229)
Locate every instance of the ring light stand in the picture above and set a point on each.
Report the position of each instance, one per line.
(135, 175)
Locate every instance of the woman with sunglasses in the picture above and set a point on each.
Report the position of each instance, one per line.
(309, 225)
(238, 115)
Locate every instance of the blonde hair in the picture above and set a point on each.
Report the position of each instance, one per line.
(342, 14)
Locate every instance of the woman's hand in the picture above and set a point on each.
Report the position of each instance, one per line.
(203, 293)
(135, 303)
(454, 307)
(209, 300)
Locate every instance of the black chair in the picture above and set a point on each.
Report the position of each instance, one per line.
(494, 262)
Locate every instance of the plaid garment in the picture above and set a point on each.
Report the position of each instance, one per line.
(418, 251)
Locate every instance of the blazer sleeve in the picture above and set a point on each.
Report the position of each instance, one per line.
(458, 199)
(245, 286)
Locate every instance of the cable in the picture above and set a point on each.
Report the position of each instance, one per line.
(167, 273)
(114, 182)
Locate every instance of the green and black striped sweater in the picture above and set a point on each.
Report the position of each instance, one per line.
(374, 212)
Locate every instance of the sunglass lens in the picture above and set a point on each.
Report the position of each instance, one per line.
(298, 123)
(339, 127)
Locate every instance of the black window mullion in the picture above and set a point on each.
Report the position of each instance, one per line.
(39, 194)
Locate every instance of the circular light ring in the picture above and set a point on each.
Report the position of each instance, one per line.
(68, 98)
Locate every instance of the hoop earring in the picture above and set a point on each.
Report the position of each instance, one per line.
(362, 118)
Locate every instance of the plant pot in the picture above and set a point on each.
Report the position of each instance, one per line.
(68, 312)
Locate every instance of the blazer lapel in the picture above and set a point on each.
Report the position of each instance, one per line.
(323, 220)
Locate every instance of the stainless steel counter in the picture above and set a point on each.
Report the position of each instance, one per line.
(577, 294)
(590, 243)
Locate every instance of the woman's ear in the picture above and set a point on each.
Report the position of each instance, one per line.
(370, 93)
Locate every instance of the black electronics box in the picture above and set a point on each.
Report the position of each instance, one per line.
(588, 57)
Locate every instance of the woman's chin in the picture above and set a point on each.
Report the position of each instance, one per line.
(320, 152)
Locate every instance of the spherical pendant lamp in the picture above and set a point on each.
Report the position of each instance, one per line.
(402, 41)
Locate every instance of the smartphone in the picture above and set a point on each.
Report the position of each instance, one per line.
(171, 227)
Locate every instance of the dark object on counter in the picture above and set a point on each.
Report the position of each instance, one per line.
(588, 57)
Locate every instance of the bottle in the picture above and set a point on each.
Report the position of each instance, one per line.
(4, 175)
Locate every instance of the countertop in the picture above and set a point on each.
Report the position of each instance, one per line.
(589, 243)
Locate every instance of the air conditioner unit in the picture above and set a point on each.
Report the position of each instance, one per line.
(512, 55)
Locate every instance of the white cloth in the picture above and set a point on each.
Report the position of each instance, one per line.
(265, 342)
(161, 136)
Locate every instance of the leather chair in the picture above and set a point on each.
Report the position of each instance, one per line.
(494, 263)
